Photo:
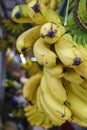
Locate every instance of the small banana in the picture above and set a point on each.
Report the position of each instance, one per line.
(34, 12)
(75, 104)
(56, 87)
(74, 77)
(57, 71)
(27, 39)
(70, 55)
(51, 32)
(19, 14)
(31, 86)
(43, 53)
(59, 109)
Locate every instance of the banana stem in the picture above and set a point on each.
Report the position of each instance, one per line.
(66, 15)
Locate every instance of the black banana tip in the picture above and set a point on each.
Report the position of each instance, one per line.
(51, 33)
(36, 7)
(18, 15)
(76, 61)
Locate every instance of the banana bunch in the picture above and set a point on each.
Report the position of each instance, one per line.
(36, 117)
(58, 90)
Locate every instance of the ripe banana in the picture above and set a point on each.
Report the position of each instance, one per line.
(75, 104)
(34, 12)
(43, 53)
(56, 87)
(51, 32)
(67, 52)
(49, 14)
(59, 109)
(57, 71)
(31, 86)
(27, 39)
(70, 55)
(74, 77)
(19, 14)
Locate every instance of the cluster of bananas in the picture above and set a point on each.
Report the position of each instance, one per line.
(58, 89)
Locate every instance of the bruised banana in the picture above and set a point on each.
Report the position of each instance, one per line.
(27, 39)
(37, 118)
(51, 32)
(75, 104)
(31, 86)
(19, 14)
(70, 55)
(57, 71)
(35, 13)
(59, 109)
(74, 77)
(56, 87)
(43, 53)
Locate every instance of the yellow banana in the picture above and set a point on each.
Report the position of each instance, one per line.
(43, 54)
(27, 39)
(35, 12)
(67, 52)
(74, 77)
(31, 86)
(51, 32)
(56, 87)
(57, 71)
(59, 109)
(19, 14)
(75, 104)
(70, 54)
(49, 14)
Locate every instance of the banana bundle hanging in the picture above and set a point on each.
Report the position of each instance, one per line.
(57, 85)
